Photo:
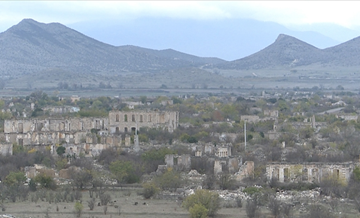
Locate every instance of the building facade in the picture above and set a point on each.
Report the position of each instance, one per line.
(120, 121)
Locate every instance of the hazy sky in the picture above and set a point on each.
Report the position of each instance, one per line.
(345, 13)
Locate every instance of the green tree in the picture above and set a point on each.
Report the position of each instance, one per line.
(18, 149)
(32, 185)
(356, 173)
(78, 207)
(123, 171)
(60, 150)
(206, 198)
(143, 99)
(45, 181)
(170, 180)
(156, 154)
(15, 178)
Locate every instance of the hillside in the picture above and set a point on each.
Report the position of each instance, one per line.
(31, 46)
(36, 56)
(288, 52)
(345, 54)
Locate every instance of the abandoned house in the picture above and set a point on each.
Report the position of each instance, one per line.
(120, 121)
(313, 172)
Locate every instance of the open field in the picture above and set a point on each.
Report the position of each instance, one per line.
(153, 208)
(124, 206)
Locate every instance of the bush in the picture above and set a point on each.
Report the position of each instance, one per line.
(124, 171)
(226, 182)
(198, 211)
(149, 190)
(60, 150)
(356, 173)
(251, 190)
(105, 198)
(45, 181)
(91, 204)
(252, 208)
(319, 211)
(209, 200)
(170, 180)
(78, 209)
(32, 185)
(15, 178)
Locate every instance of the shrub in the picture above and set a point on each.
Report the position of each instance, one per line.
(209, 200)
(226, 182)
(15, 178)
(32, 185)
(91, 204)
(198, 211)
(78, 209)
(60, 150)
(45, 181)
(149, 190)
(170, 180)
(319, 211)
(356, 173)
(252, 208)
(124, 171)
(251, 190)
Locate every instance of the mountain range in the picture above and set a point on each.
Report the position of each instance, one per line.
(34, 49)
(288, 52)
(228, 39)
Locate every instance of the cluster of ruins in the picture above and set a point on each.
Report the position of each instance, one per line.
(91, 135)
(85, 134)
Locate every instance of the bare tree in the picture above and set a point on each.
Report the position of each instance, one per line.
(286, 210)
(318, 211)
(252, 208)
(91, 204)
(274, 206)
(105, 198)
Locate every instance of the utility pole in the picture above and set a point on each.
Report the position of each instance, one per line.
(245, 133)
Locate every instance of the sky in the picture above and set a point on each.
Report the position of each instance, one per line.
(344, 13)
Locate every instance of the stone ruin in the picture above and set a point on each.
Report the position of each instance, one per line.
(313, 172)
(84, 134)
(231, 165)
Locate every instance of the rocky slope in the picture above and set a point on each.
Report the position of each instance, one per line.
(31, 46)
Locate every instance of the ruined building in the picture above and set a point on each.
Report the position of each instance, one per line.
(120, 121)
(313, 172)
(86, 131)
(51, 131)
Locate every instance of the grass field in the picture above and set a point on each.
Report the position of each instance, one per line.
(124, 206)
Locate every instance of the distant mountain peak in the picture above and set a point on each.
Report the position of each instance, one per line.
(32, 46)
(282, 37)
(28, 20)
(287, 38)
